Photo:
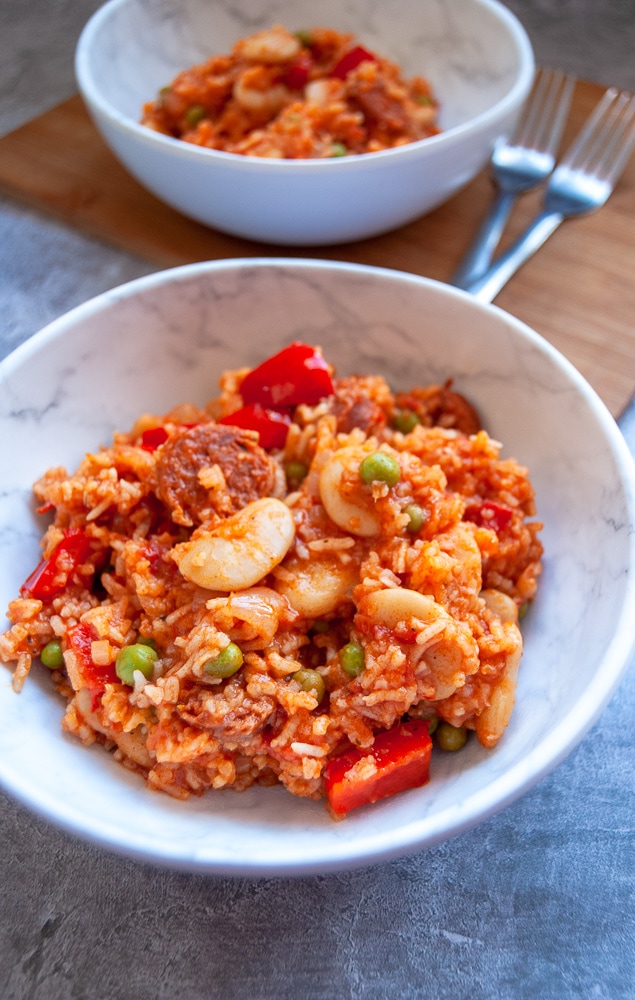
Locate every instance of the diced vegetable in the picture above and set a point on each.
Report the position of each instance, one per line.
(52, 656)
(153, 438)
(489, 514)
(95, 676)
(352, 659)
(379, 466)
(405, 421)
(305, 37)
(398, 760)
(194, 115)
(227, 663)
(297, 74)
(451, 738)
(295, 472)
(297, 374)
(272, 425)
(351, 60)
(417, 516)
(137, 656)
(311, 681)
(51, 575)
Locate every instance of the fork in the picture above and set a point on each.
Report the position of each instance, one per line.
(520, 164)
(580, 184)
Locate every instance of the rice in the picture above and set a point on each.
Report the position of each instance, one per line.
(314, 94)
(433, 608)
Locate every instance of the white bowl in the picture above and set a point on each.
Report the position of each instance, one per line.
(475, 53)
(164, 339)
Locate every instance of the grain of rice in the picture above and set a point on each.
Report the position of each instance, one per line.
(330, 544)
(308, 750)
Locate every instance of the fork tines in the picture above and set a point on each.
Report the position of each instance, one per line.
(542, 122)
(606, 141)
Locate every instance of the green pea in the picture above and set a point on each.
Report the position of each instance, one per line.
(417, 516)
(145, 640)
(523, 609)
(405, 421)
(424, 100)
(310, 680)
(227, 663)
(304, 37)
(52, 656)
(295, 471)
(450, 737)
(135, 657)
(379, 466)
(320, 627)
(194, 114)
(432, 724)
(338, 149)
(352, 659)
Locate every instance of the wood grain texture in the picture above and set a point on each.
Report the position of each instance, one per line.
(578, 291)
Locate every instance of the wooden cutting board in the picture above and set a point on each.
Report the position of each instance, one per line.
(578, 291)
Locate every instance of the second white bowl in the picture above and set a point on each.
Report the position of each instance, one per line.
(475, 53)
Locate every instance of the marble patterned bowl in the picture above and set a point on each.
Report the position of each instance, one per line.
(475, 53)
(164, 339)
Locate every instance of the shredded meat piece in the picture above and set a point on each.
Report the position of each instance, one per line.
(440, 406)
(353, 407)
(231, 714)
(373, 96)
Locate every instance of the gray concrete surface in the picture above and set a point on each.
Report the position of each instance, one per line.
(535, 903)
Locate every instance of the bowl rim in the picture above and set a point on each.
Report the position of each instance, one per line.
(418, 834)
(102, 108)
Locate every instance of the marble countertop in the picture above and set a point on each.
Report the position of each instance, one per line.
(536, 902)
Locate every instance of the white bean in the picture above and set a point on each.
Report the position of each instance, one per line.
(503, 606)
(322, 91)
(241, 550)
(319, 587)
(494, 719)
(398, 604)
(274, 45)
(252, 99)
(346, 499)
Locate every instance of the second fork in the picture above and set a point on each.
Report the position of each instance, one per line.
(580, 184)
(520, 164)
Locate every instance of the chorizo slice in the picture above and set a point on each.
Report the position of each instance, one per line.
(188, 479)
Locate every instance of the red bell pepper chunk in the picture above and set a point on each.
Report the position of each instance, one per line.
(50, 576)
(399, 759)
(297, 74)
(351, 60)
(95, 676)
(272, 425)
(153, 438)
(489, 514)
(297, 374)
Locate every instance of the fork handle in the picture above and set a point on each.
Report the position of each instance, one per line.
(479, 256)
(487, 287)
